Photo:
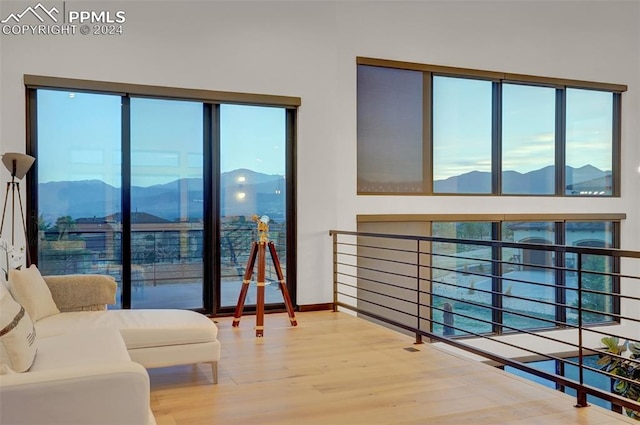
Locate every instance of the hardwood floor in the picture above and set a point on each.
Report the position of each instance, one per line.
(336, 369)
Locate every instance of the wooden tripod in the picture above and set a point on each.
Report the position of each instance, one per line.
(258, 249)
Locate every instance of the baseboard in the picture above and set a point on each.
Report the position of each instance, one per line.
(315, 307)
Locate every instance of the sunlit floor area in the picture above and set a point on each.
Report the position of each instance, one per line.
(337, 369)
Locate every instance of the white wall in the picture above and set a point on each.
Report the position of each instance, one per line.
(308, 49)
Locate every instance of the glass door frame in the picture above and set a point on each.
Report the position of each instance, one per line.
(211, 181)
(212, 211)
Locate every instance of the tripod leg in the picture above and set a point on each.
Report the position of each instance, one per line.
(260, 290)
(245, 284)
(283, 285)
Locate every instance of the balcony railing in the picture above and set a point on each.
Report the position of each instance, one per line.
(173, 254)
(509, 303)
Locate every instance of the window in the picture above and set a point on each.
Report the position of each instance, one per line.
(528, 140)
(390, 155)
(599, 288)
(426, 129)
(590, 122)
(490, 289)
(526, 273)
(469, 293)
(530, 275)
(159, 191)
(461, 135)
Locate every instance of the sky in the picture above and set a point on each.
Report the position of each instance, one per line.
(79, 133)
(79, 138)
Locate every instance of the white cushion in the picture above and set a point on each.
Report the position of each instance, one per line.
(29, 289)
(17, 336)
(80, 348)
(139, 328)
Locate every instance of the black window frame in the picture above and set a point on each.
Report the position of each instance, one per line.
(211, 101)
(498, 79)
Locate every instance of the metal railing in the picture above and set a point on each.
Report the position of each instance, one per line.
(543, 302)
(173, 254)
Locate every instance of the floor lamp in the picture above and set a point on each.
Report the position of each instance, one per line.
(18, 164)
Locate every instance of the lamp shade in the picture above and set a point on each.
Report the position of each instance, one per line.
(17, 163)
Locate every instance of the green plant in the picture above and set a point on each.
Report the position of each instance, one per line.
(625, 368)
(596, 282)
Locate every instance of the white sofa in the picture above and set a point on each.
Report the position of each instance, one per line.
(90, 363)
(79, 378)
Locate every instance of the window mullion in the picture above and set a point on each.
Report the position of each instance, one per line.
(496, 280)
(126, 203)
(616, 144)
(427, 133)
(209, 269)
(561, 292)
(561, 145)
(32, 181)
(496, 142)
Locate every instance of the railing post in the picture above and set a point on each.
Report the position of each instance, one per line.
(335, 272)
(418, 335)
(581, 395)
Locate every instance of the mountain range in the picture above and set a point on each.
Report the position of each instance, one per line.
(537, 182)
(245, 192)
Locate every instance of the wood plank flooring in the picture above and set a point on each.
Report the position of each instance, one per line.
(336, 369)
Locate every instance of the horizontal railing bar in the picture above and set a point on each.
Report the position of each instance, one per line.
(488, 336)
(508, 344)
(471, 273)
(520, 264)
(492, 292)
(385, 272)
(378, 305)
(610, 252)
(376, 281)
(470, 302)
(464, 315)
(382, 248)
(520, 314)
(370, 291)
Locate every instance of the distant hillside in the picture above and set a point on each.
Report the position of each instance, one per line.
(244, 192)
(263, 194)
(537, 182)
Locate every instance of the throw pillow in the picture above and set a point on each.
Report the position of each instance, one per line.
(17, 336)
(31, 291)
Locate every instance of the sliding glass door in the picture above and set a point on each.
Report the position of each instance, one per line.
(160, 194)
(79, 169)
(166, 203)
